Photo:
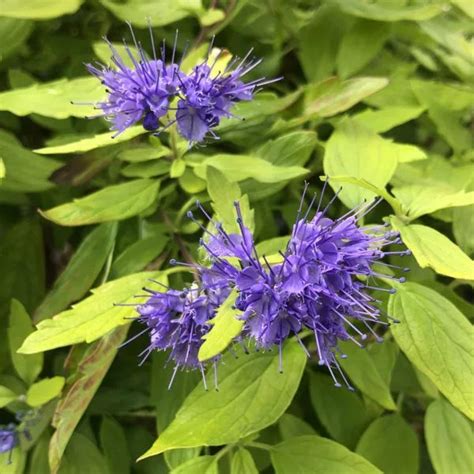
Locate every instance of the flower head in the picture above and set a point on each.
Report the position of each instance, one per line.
(207, 96)
(178, 320)
(321, 284)
(145, 92)
(141, 93)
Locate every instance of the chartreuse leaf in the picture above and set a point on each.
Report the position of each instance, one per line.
(114, 445)
(388, 117)
(356, 151)
(14, 462)
(6, 396)
(27, 367)
(390, 11)
(159, 12)
(314, 455)
(25, 171)
(45, 390)
(390, 444)
(91, 143)
(53, 99)
(365, 374)
(116, 202)
(341, 412)
(252, 395)
(435, 250)
(438, 345)
(360, 45)
(198, 465)
(90, 372)
(91, 318)
(39, 9)
(243, 463)
(239, 167)
(463, 222)
(81, 271)
(332, 96)
(449, 438)
(223, 194)
(418, 200)
(225, 328)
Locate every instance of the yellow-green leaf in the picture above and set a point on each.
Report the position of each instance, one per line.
(45, 390)
(437, 338)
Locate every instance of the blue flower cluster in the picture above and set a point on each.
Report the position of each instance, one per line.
(8, 439)
(147, 91)
(320, 285)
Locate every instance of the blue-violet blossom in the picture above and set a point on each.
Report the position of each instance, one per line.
(144, 92)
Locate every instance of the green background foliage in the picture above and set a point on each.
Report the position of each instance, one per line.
(376, 95)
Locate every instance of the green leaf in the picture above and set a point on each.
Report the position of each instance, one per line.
(365, 374)
(418, 200)
(225, 328)
(390, 444)
(212, 16)
(116, 202)
(239, 167)
(90, 319)
(198, 465)
(341, 412)
(333, 95)
(449, 438)
(92, 143)
(138, 255)
(319, 41)
(25, 171)
(45, 390)
(22, 264)
(28, 367)
(114, 445)
(358, 152)
(223, 194)
(438, 346)
(84, 453)
(147, 169)
(39, 9)
(53, 99)
(13, 33)
(243, 463)
(160, 12)
(314, 455)
(17, 464)
(433, 249)
(90, 372)
(6, 396)
(291, 426)
(388, 117)
(81, 271)
(463, 223)
(252, 395)
(360, 45)
(384, 11)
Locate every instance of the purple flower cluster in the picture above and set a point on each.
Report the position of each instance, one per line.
(8, 440)
(321, 286)
(147, 91)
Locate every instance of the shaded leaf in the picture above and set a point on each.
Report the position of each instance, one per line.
(314, 455)
(81, 271)
(390, 444)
